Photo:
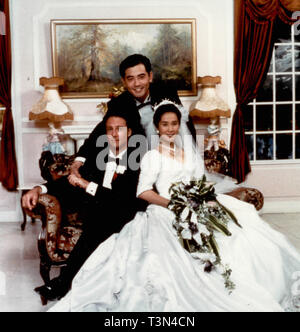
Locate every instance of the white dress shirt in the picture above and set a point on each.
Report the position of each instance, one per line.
(110, 170)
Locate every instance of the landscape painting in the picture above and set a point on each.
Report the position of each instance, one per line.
(87, 53)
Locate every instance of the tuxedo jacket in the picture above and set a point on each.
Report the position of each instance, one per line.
(127, 103)
(117, 205)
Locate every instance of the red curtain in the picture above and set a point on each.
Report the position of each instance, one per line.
(253, 41)
(8, 162)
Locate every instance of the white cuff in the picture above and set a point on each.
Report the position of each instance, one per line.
(82, 159)
(44, 188)
(92, 188)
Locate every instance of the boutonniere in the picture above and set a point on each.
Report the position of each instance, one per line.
(121, 169)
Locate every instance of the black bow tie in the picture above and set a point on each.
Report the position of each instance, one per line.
(143, 104)
(116, 160)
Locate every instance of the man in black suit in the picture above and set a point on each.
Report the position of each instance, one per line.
(137, 101)
(105, 191)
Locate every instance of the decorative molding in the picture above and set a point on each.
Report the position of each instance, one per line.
(77, 118)
(86, 126)
(291, 206)
(78, 133)
(78, 129)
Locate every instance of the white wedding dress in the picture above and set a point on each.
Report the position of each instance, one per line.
(145, 268)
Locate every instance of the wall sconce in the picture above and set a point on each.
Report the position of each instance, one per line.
(210, 106)
(51, 107)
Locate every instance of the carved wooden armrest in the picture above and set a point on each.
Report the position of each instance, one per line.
(249, 195)
(49, 211)
(47, 208)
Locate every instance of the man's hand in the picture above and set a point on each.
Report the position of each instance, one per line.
(74, 170)
(30, 199)
(78, 181)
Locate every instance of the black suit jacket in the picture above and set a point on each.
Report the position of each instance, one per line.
(127, 103)
(117, 205)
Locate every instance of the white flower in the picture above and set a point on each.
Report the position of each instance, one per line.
(186, 234)
(202, 229)
(220, 269)
(197, 238)
(194, 218)
(204, 256)
(184, 225)
(186, 182)
(196, 255)
(184, 213)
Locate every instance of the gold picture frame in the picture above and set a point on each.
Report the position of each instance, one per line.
(87, 53)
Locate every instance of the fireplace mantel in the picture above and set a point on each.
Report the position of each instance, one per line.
(78, 133)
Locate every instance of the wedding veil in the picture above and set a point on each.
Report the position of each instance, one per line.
(192, 148)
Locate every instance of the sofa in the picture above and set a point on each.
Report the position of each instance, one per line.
(61, 230)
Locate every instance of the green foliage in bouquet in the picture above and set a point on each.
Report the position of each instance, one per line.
(198, 216)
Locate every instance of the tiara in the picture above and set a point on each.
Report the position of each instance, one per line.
(165, 102)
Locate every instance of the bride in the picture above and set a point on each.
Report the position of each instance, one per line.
(145, 267)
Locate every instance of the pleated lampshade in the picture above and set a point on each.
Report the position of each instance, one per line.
(210, 105)
(51, 107)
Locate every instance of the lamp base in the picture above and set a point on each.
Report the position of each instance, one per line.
(213, 134)
(53, 140)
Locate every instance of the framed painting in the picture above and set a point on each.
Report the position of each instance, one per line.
(87, 53)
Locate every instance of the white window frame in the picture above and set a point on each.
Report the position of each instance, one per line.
(273, 103)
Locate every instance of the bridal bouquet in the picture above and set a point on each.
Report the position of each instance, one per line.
(198, 216)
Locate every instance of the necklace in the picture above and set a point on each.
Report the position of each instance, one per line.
(174, 152)
(171, 150)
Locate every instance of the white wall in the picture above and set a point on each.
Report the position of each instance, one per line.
(31, 51)
(31, 48)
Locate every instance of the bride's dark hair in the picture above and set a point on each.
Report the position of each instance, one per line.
(166, 108)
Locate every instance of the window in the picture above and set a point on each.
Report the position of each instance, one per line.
(272, 120)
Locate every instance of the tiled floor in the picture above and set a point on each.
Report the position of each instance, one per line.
(19, 261)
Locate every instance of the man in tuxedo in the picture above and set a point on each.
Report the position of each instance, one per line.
(137, 101)
(105, 191)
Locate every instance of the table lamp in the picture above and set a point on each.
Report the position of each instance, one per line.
(52, 108)
(210, 106)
